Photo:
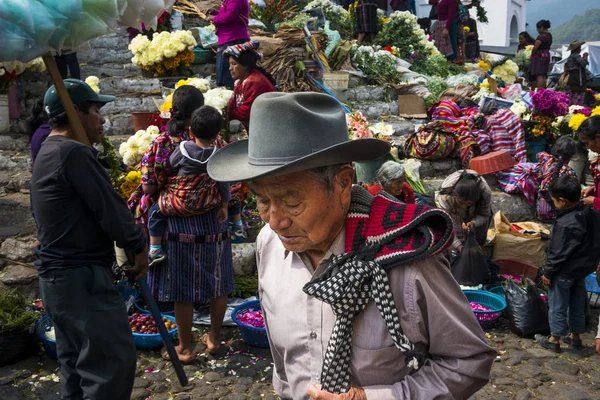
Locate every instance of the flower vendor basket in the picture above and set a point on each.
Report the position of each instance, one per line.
(336, 80)
(4, 115)
(535, 146)
(253, 336)
(42, 326)
(517, 268)
(367, 170)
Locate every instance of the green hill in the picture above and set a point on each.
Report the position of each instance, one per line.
(581, 27)
(557, 11)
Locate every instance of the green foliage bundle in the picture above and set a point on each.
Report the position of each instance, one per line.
(435, 65)
(245, 286)
(376, 65)
(15, 313)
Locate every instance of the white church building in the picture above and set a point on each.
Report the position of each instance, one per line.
(501, 33)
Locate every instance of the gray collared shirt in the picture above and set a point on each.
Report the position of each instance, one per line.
(435, 316)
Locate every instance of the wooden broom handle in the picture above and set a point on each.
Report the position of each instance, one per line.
(63, 95)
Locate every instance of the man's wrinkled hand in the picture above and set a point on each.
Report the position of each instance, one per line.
(141, 264)
(355, 393)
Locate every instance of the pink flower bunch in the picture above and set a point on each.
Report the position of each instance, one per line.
(550, 102)
(510, 277)
(252, 318)
(358, 127)
(481, 316)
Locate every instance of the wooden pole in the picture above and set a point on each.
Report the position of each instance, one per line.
(63, 95)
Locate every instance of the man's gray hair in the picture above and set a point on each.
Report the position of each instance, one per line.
(326, 175)
(389, 171)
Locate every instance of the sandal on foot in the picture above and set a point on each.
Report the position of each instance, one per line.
(574, 343)
(204, 340)
(165, 355)
(547, 344)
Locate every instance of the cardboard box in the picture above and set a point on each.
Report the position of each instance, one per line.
(411, 106)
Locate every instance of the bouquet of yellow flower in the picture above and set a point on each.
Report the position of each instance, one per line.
(131, 181)
(167, 54)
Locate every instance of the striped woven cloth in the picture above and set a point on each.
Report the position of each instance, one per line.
(506, 131)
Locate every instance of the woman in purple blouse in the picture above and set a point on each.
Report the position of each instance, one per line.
(231, 21)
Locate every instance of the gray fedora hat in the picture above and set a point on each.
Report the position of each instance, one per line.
(291, 132)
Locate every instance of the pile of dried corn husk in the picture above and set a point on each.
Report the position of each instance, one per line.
(282, 67)
(294, 37)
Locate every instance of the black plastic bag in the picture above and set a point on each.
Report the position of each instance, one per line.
(527, 312)
(470, 268)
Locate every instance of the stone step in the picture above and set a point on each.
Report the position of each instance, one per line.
(14, 142)
(439, 169)
(110, 69)
(15, 215)
(366, 94)
(14, 161)
(375, 110)
(118, 85)
(11, 182)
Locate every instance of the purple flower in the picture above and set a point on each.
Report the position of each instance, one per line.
(585, 111)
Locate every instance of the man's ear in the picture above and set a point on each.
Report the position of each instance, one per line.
(345, 177)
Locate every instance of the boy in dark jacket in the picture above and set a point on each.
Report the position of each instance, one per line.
(573, 254)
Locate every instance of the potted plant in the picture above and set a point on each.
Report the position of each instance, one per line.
(17, 321)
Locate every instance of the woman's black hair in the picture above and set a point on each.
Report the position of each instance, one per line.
(37, 118)
(544, 23)
(567, 187)
(564, 148)
(206, 123)
(527, 36)
(590, 128)
(249, 60)
(186, 100)
(466, 188)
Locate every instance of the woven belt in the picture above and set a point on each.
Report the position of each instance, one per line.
(185, 238)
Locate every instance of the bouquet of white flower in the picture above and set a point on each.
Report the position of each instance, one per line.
(134, 148)
(218, 98)
(168, 51)
(376, 64)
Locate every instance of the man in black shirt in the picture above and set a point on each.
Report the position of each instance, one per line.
(80, 217)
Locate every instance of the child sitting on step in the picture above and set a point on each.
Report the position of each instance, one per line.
(191, 192)
(573, 254)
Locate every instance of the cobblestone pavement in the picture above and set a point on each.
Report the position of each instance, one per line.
(522, 371)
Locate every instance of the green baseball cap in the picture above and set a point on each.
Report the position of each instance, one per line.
(79, 91)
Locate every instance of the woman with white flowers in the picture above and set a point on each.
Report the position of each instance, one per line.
(252, 80)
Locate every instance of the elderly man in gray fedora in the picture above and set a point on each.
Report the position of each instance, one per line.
(356, 292)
